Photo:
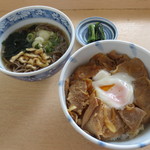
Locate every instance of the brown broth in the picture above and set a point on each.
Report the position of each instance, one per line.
(17, 42)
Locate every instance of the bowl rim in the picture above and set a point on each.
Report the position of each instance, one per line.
(60, 60)
(72, 122)
(86, 20)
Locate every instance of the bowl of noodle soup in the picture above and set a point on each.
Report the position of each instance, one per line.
(87, 91)
(36, 41)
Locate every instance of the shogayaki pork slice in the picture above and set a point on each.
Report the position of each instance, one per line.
(132, 117)
(78, 96)
(134, 67)
(142, 95)
(93, 103)
(105, 123)
(114, 126)
(118, 58)
(103, 61)
(86, 71)
(95, 124)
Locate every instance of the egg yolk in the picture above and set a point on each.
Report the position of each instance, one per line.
(106, 87)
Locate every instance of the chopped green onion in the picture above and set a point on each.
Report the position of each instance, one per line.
(30, 37)
(36, 44)
(48, 46)
(55, 39)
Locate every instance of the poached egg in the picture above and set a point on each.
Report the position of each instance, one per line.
(114, 90)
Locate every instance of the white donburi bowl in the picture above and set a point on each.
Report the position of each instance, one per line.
(82, 56)
(36, 14)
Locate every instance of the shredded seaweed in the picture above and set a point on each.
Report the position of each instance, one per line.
(15, 43)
